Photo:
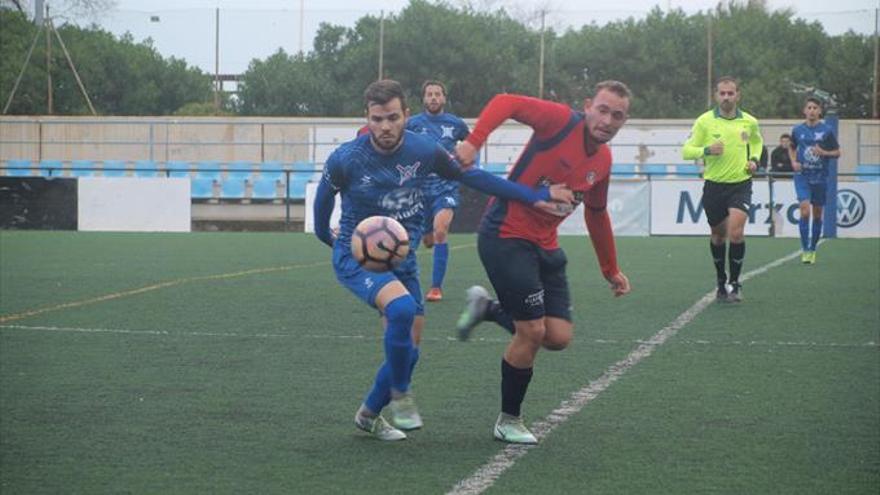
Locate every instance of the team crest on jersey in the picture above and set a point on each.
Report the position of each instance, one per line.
(745, 135)
(408, 172)
(818, 136)
(447, 131)
(591, 177)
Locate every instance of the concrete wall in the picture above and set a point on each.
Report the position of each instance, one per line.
(288, 140)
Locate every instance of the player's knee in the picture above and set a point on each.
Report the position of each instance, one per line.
(530, 332)
(400, 314)
(439, 236)
(557, 343)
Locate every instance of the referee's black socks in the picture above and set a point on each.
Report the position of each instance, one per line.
(719, 253)
(737, 253)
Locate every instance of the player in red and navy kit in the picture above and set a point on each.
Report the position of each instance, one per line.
(567, 147)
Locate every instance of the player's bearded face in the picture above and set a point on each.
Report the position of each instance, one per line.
(606, 113)
(386, 123)
(434, 99)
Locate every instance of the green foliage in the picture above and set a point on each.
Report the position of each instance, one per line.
(121, 77)
(477, 53)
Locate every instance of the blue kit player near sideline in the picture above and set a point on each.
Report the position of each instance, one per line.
(812, 144)
(384, 172)
(441, 196)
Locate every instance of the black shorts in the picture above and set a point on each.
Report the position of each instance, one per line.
(719, 197)
(530, 282)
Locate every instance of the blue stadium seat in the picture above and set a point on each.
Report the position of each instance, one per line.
(264, 188)
(298, 183)
(202, 188)
(22, 168)
(272, 170)
(623, 171)
(114, 168)
(868, 172)
(145, 168)
(239, 170)
(232, 188)
(208, 170)
(177, 168)
(303, 167)
(82, 168)
(49, 168)
(654, 170)
(495, 168)
(687, 170)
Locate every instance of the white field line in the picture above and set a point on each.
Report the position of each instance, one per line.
(484, 477)
(378, 337)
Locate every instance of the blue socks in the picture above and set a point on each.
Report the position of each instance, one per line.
(817, 232)
(400, 354)
(804, 227)
(810, 237)
(441, 258)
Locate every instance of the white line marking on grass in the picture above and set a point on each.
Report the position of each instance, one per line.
(378, 336)
(484, 477)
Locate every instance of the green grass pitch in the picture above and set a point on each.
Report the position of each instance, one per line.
(233, 363)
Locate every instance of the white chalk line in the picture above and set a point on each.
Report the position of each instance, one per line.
(486, 475)
(378, 337)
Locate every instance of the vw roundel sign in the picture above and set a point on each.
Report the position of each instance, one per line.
(850, 208)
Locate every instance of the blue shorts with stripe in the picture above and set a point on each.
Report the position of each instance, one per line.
(366, 284)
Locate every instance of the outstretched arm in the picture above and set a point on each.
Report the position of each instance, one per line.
(546, 118)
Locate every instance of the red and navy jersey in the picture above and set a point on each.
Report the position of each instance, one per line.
(555, 154)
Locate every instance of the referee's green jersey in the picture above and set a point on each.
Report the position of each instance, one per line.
(742, 142)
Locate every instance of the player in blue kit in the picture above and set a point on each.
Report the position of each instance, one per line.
(812, 144)
(384, 173)
(441, 196)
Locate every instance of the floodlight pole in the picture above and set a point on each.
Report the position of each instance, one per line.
(541, 62)
(381, 42)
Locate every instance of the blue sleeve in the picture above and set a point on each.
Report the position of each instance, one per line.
(325, 199)
(445, 166)
(830, 141)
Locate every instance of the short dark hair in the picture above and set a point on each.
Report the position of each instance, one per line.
(729, 79)
(616, 87)
(383, 91)
(785, 136)
(433, 82)
(817, 101)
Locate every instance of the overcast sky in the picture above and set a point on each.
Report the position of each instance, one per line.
(256, 29)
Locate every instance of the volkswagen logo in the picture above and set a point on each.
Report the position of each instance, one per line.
(850, 208)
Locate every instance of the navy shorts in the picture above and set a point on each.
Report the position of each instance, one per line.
(530, 282)
(719, 197)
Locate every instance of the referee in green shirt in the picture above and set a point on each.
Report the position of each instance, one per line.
(729, 143)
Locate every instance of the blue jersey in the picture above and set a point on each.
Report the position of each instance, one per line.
(372, 183)
(814, 168)
(446, 129)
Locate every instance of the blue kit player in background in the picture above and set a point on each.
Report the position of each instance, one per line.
(441, 196)
(812, 144)
(384, 173)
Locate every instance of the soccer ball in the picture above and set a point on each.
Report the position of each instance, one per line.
(379, 244)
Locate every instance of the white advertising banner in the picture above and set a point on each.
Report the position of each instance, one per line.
(676, 209)
(309, 224)
(627, 206)
(127, 204)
